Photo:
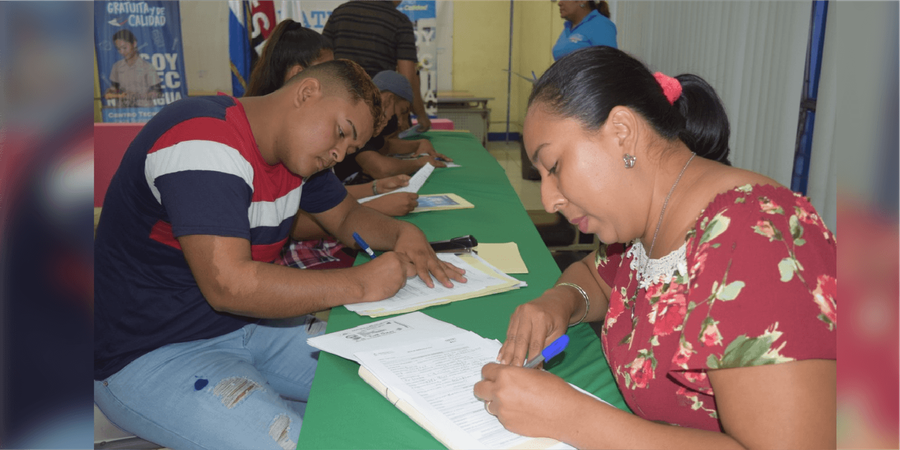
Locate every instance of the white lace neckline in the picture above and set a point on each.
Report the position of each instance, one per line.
(660, 270)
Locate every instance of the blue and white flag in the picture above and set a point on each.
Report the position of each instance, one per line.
(249, 25)
(239, 50)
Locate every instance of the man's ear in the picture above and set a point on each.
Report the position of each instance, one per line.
(387, 104)
(293, 70)
(305, 90)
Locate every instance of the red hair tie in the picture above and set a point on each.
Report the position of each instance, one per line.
(671, 87)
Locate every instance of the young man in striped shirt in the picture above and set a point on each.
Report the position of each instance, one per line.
(201, 204)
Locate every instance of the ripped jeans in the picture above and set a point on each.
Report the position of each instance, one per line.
(246, 389)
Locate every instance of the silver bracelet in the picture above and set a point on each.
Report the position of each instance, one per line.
(374, 187)
(587, 301)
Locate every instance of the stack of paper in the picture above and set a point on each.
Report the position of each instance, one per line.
(483, 279)
(428, 369)
(415, 183)
(504, 256)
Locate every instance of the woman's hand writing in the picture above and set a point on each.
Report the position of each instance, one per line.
(533, 326)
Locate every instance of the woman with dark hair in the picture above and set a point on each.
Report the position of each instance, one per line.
(587, 24)
(714, 286)
(290, 49)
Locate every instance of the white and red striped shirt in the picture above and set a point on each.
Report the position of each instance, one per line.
(194, 168)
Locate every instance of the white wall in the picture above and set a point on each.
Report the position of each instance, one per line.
(752, 53)
(204, 32)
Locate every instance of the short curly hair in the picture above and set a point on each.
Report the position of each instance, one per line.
(346, 77)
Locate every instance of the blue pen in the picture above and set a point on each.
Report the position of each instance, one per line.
(533, 76)
(555, 348)
(363, 245)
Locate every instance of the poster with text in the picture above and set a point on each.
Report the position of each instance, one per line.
(423, 15)
(139, 58)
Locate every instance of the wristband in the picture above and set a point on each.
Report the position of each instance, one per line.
(587, 301)
(374, 187)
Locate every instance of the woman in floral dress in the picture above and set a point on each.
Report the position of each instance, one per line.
(716, 286)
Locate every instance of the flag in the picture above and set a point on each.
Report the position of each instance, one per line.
(249, 25)
(239, 45)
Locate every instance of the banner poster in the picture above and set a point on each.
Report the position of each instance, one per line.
(422, 13)
(139, 58)
(314, 13)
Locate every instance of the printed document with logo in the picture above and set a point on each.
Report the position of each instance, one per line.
(483, 279)
(386, 333)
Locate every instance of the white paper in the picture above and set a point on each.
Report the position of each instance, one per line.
(437, 377)
(416, 292)
(411, 131)
(415, 183)
(393, 332)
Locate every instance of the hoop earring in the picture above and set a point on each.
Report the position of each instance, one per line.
(629, 160)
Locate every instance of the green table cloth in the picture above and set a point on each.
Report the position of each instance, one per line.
(346, 413)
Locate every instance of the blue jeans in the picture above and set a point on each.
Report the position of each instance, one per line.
(247, 389)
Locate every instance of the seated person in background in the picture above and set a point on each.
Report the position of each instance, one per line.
(202, 202)
(373, 160)
(289, 50)
(716, 286)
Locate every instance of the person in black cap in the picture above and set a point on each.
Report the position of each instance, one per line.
(372, 161)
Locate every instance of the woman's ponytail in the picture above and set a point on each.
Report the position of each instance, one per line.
(587, 83)
(706, 128)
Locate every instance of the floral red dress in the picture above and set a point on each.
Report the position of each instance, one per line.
(755, 283)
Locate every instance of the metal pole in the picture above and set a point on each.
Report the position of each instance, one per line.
(509, 69)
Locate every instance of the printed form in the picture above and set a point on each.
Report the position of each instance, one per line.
(387, 333)
(416, 293)
(437, 378)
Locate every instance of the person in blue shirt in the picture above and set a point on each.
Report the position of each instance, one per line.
(587, 24)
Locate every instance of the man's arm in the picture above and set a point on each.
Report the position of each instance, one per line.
(379, 166)
(395, 146)
(306, 228)
(384, 233)
(416, 147)
(233, 283)
(407, 68)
